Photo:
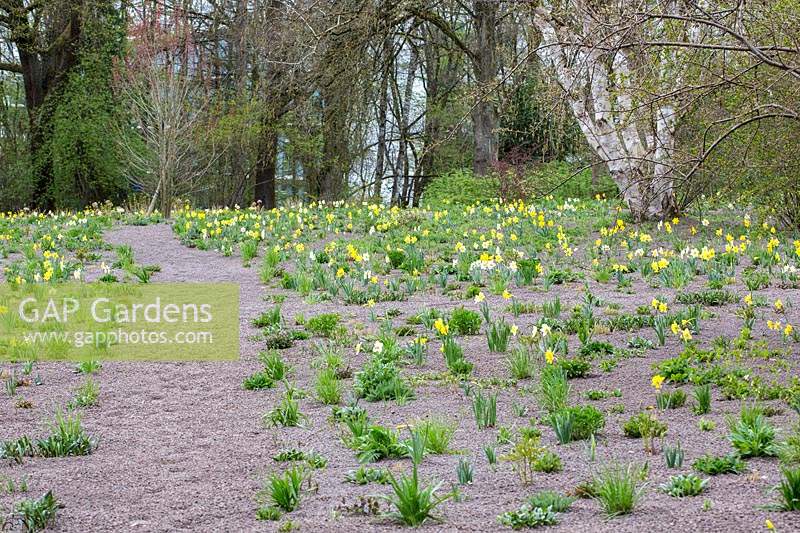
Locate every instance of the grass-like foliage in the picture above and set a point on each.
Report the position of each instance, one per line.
(454, 357)
(788, 490)
(286, 413)
(328, 387)
(275, 368)
(86, 395)
(521, 362)
(271, 317)
(258, 380)
(284, 491)
(38, 514)
(311, 458)
(671, 399)
(618, 489)
(437, 433)
(366, 474)
(673, 455)
(414, 504)
(324, 325)
(67, 437)
(554, 389)
(702, 399)
(485, 409)
(788, 449)
(88, 367)
(498, 335)
(464, 472)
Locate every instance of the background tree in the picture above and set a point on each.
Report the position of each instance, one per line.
(64, 52)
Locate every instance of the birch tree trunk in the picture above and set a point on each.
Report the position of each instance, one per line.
(636, 142)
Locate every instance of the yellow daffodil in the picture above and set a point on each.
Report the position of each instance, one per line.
(657, 381)
(549, 356)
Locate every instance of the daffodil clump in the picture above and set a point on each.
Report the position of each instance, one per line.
(54, 246)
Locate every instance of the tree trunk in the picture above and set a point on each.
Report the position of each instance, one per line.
(484, 115)
(266, 169)
(398, 195)
(335, 148)
(600, 92)
(44, 72)
(387, 57)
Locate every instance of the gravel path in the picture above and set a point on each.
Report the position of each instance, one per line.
(182, 447)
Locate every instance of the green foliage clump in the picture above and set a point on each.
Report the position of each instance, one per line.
(323, 325)
(709, 297)
(437, 433)
(529, 456)
(751, 435)
(284, 490)
(553, 390)
(378, 380)
(684, 485)
(644, 425)
(528, 516)
(37, 514)
(366, 474)
(460, 187)
(577, 423)
(67, 438)
(722, 464)
(271, 317)
(550, 499)
(258, 380)
(464, 321)
(377, 442)
(576, 367)
(279, 340)
(788, 449)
